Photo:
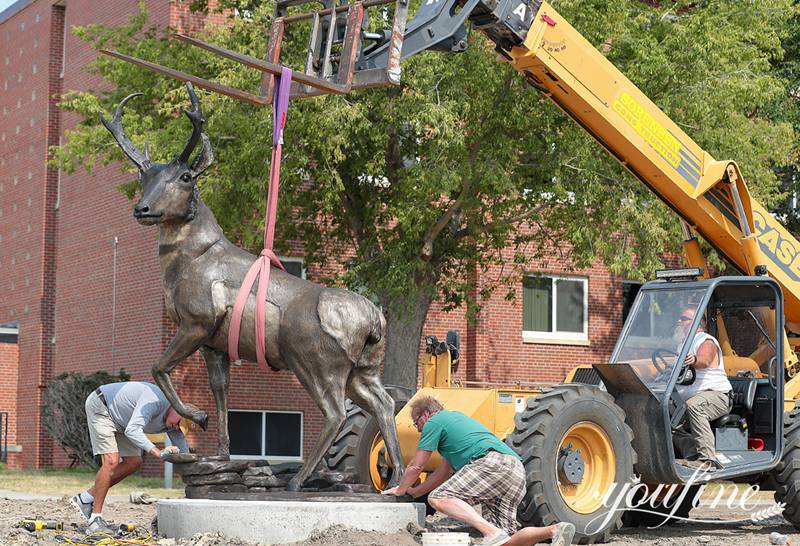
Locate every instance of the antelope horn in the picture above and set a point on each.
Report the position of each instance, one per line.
(195, 115)
(115, 128)
(204, 158)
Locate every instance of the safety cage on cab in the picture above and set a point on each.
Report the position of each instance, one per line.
(646, 371)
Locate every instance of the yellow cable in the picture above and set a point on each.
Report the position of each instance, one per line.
(104, 539)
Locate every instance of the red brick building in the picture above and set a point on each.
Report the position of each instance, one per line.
(80, 282)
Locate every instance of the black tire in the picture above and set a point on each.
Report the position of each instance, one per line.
(787, 473)
(538, 432)
(634, 518)
(350, 451)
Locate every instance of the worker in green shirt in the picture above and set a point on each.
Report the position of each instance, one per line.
(478, 469)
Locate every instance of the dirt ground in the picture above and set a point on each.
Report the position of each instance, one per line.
(683, 534)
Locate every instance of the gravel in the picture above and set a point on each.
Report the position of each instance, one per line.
(712, 533)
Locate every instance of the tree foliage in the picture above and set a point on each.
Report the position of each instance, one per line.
(789, 174)
(64, 415)
(414, 188)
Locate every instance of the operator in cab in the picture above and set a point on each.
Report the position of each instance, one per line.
(708, 398)
(477, 469)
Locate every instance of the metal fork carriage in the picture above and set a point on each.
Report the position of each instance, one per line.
(343, 54)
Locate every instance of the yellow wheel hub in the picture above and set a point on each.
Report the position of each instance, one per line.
(377, 464)
(585, 467)
(380, 469)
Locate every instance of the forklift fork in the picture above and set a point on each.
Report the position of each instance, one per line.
(335, 43)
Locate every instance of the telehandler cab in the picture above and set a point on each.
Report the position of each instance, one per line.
(582, 440)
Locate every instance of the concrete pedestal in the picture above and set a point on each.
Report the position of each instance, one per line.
(276, 522)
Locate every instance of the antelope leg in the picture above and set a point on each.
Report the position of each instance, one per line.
(185, 342)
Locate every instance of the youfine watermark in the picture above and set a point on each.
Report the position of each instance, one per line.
(665, 501)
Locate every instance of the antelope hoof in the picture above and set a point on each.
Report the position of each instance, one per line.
(294, 485)
(201, 418)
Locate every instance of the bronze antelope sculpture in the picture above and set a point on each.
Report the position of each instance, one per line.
(332, 339)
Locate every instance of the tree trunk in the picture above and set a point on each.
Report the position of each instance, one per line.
(404, 324)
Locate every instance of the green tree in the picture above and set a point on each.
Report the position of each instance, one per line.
(789, 68)
(416, 188)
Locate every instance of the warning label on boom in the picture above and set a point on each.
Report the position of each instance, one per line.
(648, 128)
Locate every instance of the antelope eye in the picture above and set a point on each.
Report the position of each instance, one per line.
(186, 177)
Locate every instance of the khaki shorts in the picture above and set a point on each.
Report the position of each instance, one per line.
(106, 435)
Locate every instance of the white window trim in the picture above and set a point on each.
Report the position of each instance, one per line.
(561, 338)
(295, 260)
(269, 458)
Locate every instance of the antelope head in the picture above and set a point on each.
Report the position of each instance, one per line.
(169, 190)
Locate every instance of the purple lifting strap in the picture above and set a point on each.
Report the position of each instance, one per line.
(261, 267)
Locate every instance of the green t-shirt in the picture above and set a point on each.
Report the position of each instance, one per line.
(459, 439)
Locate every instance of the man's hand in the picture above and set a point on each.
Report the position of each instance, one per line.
(166, 452)
(392, 491)
(691, 359)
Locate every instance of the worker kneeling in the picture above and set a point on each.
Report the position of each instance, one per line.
(119, 416)
(478, 469)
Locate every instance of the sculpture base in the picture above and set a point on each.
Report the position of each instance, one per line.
(282, 521)
(311, 496)
(207, 476)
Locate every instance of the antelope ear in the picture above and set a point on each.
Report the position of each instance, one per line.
(204, 158)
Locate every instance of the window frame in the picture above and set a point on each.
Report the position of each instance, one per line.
(297, 260)
(264, 456)
(555, 337)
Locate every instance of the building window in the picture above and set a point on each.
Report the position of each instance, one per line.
(273, 435)
(9, 332)
(555, 309)
(294, 266)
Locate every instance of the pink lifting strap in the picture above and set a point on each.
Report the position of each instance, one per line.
(261, 267)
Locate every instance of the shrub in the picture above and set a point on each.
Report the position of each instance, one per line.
(64, 415)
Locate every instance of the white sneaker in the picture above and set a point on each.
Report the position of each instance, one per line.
(85, 508)
(99, 525)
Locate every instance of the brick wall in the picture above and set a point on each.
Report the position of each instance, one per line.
(26, 217)
(9, 363)
(502, 356)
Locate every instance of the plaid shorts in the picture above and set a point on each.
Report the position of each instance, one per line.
(495, 481)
